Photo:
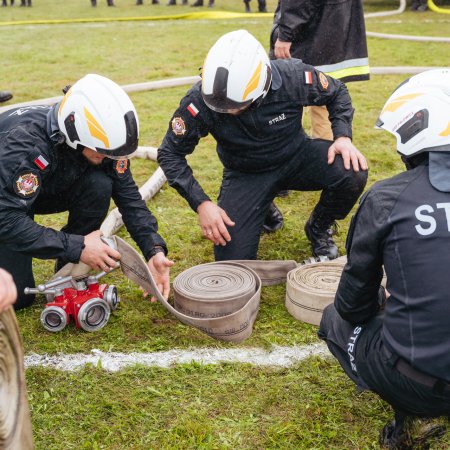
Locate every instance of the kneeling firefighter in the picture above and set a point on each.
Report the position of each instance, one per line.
(399, 347)
(72, 156)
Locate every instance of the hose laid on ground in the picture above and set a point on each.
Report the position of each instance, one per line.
(222, 299)
(15, 423)
(436, 8)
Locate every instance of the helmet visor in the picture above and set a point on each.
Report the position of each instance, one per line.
(131, 142)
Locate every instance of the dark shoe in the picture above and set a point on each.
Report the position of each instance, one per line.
(262, 10)
(319, 230)
(139, 2)
(197, 3)
(94, 2)
(171, 2)
(185, 2)
(5, 96)
(422, 8)
(274, 219)
(155, 2)
(211, 4)
(110, 3)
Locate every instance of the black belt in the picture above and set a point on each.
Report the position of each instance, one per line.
(436, 384)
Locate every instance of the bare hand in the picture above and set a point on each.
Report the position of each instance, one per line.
(282, 50)
(159, 267)
(213, 222)
(96, 254)
(350, 154)
(8, 291)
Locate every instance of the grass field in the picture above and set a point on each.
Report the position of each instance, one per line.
(312, 405)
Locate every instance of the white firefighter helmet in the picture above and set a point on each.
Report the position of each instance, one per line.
(98, 114)
(236, 72)
(418, 115)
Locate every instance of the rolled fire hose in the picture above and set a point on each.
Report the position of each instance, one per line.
(15, 423)
(222, 299)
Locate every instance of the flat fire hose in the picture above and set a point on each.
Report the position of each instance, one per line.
(15, 422)
(222, 299)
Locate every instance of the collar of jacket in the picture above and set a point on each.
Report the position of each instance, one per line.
(52, 126)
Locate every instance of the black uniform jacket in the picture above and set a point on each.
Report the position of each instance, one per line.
(328, 34)
(403, 223)
(259, 139)
(35, 161)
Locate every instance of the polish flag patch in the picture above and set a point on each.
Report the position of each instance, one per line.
(308, 78)
(41, 162)
(192, 109)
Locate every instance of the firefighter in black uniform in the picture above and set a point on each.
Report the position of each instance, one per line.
(253, 109)
(72, 157)
(328, 34)
(400, 347)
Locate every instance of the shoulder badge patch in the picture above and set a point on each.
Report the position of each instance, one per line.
(121, 166)
(178, 126)
(26, 184)
(323, 81)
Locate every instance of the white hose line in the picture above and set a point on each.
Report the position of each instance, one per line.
(137, 87)
(149, 189)
(400, 9)
(184, 81)
(404, 37)
(113, 361)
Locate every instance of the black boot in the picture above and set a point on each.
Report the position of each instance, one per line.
(110, 3)
(171, 2)
(5, 96)
(262, 6)
(319, 230)
(155, 2)
(197, 3)
(94, 2)
(247, 7)
(274, 219)
(139, 2)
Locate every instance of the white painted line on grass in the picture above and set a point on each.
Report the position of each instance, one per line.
(112, 362)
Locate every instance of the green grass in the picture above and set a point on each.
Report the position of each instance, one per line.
(191, 406)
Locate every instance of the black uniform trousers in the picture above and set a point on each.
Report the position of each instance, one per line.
(246, 197)
(370, 366)
(87, 202)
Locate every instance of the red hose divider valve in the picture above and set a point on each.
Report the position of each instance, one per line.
(86, 301)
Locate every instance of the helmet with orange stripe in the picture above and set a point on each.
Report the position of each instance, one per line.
(236, 73)
(418, 115)
(97, 113)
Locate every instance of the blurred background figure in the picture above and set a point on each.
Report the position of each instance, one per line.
(261, 6)
(174, 2)
(419, 5)
(5, 95)
(94, 2)
(4, 3)
(154, 2)
(329, 35)
(200, 3)
(25, 2)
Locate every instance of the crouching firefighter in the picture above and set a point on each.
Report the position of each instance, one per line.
(396, 342)
(72, 156)
(253, 108)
